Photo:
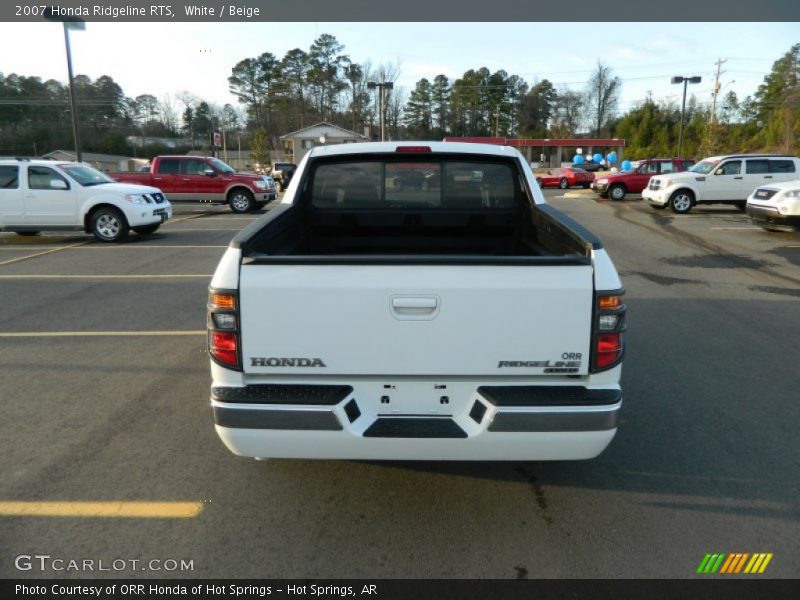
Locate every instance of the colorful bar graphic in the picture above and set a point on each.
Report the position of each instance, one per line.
(734, 563)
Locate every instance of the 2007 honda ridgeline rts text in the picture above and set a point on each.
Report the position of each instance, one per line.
(456, 316)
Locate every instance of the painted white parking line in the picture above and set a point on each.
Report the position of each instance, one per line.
(30, 334)
(172, 221)
(32, 276)
(736, 228)
(50, 251)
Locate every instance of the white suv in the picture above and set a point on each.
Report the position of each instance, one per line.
(776, 207)
(43, 194)
(720, 179)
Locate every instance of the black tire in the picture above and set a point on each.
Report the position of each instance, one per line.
(109, 224)
(681, 202)
(563, 184)
(27, 233)
(617, 192)
(147, 229)
(241, 201)
(278, 185)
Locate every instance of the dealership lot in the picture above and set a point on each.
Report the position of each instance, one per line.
(105, 381)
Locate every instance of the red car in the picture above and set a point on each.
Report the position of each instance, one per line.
(565, 177)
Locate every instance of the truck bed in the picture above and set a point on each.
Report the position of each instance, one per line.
(288, 233)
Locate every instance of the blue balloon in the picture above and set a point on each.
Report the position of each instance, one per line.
(626, 165)
(597, 157)
(612, 157)
(578, 159)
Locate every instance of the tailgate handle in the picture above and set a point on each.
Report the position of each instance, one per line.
(420, 304)
(415, 308)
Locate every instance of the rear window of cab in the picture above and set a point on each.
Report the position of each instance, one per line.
(422, 184)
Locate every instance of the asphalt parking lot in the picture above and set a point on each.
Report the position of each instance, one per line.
(106, 424)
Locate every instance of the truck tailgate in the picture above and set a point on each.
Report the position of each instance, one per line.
(416, 320)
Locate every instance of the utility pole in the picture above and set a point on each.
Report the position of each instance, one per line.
(713, 115)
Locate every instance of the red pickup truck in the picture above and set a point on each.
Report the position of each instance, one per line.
(204, 179)
(617, 185)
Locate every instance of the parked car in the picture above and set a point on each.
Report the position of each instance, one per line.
(617, 185)
(42, 194)
(720, 179)
(776, 206)
(308, 307)
(204, 179)
(282, 173)
(565, 177)
(591, 166)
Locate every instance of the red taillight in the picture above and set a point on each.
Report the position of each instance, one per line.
(607, 349)
(224, 347)
(413, 149)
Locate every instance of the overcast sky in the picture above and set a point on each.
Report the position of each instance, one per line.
(166, 58)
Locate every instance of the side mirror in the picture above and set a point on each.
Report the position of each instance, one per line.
(719, 171)
(210, 172)
(58, 184)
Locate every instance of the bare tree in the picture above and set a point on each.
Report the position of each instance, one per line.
(601, 97)
(568, 112)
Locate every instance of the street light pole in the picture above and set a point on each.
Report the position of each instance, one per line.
(75, 134)
(383, 86)
(685, 81)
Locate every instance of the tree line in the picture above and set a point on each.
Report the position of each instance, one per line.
(279, 95)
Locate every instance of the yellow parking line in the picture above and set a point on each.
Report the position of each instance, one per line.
(31, 276)
(23, 334)
(20, 258)
(135, 510)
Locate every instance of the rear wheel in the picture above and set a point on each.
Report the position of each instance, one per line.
(147, 229)
(681, 202)
(241, 201)
(563, 184)
(109, 225)
(278, 185)
(617, 192)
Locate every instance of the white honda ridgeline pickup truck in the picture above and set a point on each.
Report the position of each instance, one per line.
(456, 316)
